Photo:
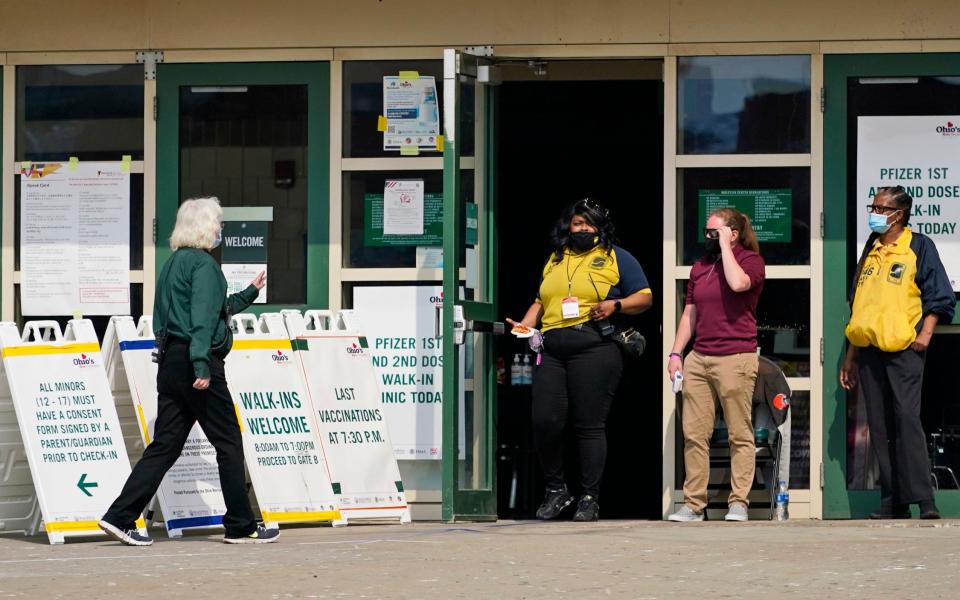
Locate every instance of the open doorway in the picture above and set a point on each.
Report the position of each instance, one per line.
(568, 130)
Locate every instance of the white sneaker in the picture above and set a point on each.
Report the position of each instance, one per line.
(736, 512)
(685, 515)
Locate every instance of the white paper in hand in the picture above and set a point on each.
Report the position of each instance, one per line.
(677, 382)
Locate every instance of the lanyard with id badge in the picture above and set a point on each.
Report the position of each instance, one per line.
(570, 305)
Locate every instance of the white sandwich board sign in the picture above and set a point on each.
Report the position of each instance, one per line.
(68, 423)
(352, 425)
(280, 437)
(189, 495)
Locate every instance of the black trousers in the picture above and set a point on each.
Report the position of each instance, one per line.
(179, 406)
(576, 382)
(890, 383)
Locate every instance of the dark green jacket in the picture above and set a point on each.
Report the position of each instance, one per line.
(191, 302)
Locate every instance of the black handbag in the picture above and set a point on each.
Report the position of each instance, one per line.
(631, 342)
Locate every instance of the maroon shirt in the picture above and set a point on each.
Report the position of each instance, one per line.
(726, 320)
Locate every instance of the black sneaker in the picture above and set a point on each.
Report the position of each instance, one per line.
(130, 537)
(587, 510)
(554, 503)
(262, 535)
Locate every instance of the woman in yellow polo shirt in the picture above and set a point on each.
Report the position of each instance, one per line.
(900, 292)
(586, 281)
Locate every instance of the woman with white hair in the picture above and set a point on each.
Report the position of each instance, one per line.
(191, 311)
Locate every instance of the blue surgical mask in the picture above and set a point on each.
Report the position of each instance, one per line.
(878, 223)
(216, 242)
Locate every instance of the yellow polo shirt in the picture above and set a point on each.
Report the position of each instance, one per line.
(591, 277)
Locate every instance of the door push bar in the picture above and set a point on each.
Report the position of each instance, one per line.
(462, 325)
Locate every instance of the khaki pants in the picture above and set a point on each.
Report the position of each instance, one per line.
(707, 379)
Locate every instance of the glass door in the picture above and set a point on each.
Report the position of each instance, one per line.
(469, 307)
(256, 136)
(898, 110)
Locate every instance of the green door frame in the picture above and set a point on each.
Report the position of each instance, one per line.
(460, 504)
(838, 501)
(316, 76)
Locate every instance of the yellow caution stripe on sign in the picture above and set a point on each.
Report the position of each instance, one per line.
(279, 344)
(143, 424)
(72, 526)
(236, 409)
(301, 517)
(50, 349)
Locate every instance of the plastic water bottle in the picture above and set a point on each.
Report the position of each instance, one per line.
(516, 371)
(781, 510)
(526, 373)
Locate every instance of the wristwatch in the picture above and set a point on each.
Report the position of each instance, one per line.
(617, 306)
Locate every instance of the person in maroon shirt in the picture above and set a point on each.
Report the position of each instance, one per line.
(721, 310)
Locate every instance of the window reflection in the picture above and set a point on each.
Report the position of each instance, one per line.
(93, 112)
(744, 104)
(783, 324)
(247, 145)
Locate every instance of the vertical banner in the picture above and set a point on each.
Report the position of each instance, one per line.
(407, 356)
(281, 445)
(68, 421)
(342, 386)
(75, 238)
(189, 495)
(923, 155)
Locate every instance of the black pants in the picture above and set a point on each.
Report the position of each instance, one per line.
(576, 380)
(890, 383)
(179, 406)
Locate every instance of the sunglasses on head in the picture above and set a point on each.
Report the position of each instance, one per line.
(711, 234)
(595, 206)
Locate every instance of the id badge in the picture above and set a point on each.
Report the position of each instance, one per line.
(570, 307)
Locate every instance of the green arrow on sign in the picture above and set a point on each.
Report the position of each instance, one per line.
(83, 485)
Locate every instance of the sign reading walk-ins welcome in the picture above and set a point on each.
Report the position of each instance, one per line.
(280, 441)
(68, 421)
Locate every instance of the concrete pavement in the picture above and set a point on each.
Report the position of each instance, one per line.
(609, 559)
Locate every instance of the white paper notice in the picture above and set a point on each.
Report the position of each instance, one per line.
(923, 155)
(239, 277)
(403, 207)
(75, 239)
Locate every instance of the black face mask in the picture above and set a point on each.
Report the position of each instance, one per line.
(713, 247)
(581, 241)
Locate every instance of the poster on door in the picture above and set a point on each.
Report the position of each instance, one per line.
(74, 238)
(412, 111)
(923, 155)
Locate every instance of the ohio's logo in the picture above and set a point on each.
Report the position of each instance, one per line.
(354, 349)
(280, 357)
(83, 361)
(948, 129)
